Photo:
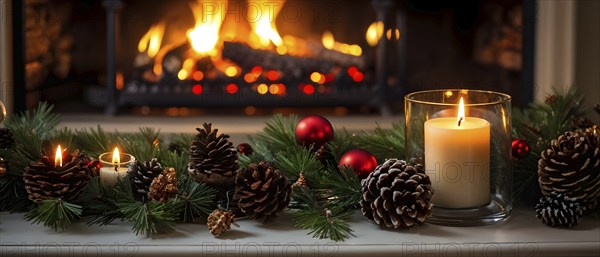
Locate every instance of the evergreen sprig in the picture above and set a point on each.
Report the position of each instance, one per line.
(296, 160)
(99, 203)
(319, 218)
(151, 217)
(341, 187)
(383, 143)
(198, 199)
(279, 133)
(55, 213)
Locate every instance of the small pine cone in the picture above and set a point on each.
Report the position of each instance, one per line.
(142, 174)
(7, 139)
(300, 182)
(397, 195)
(550, 99)
(558, 210)
(213, 159)
(571, 166)
(2, 167)
(324, 155)
(262, 192)
(44, 181)
(164, 187)
(219, 221)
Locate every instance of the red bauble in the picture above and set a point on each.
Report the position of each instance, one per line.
(520, 148)
(314, 130)
(361, 161)
(244, 149)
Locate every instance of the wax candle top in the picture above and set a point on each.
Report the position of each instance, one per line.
(58, 157)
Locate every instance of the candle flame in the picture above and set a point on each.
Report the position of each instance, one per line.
(58, 157)
(461, 112)
(116, 158)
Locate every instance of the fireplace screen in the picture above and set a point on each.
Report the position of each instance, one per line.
(131, 54)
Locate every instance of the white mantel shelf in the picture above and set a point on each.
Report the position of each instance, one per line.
(522, 235)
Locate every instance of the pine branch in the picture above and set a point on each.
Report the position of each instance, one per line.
(297, 159)
(198, 199)
(260, 152)
(96, 141)
(56, 214)
(341, 143)
(151, 217)
(384, 143)
(144, 145)
(177, 161)
(279, 133)
(180, 143)
(341, 187)
(321, 221)
(100, 204)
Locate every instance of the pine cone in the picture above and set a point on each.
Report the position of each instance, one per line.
(219, 221)
(213, 159)
(558, 210)
(44, 181)
(397, 195)
(262, 192)
(324, 155)
(164, 187)
(7, 139)
(571, 166)
(142, 174)
(2, 167)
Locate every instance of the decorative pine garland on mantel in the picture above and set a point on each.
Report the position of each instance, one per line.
(323, 194)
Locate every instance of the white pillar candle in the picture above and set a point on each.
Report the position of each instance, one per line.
(114, 167)
(457, 160)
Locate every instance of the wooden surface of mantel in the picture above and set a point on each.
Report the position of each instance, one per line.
(521, 235)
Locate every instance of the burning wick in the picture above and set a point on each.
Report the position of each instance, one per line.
(116, 159)
(461, 111)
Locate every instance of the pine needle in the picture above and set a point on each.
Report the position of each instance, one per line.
(55, 213)
(296, 160)
(198, 199)
(279, 133)
(383, 143)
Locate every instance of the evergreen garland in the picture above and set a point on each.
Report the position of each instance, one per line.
(324, 206)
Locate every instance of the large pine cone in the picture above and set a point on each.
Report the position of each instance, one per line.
(142, 174)
(43, 181)
(571, 166)
(164, 187)
(213, 159)
(262, 192)
(7, 139)
(397, 195)
(558, 210)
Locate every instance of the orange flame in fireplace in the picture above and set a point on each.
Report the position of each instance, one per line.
(209, 17)
(329, 43)
(261, 16)
(152, 40)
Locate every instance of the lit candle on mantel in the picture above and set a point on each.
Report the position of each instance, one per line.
(115, 167)
(457, 159)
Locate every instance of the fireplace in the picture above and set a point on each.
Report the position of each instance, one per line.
(137, 56)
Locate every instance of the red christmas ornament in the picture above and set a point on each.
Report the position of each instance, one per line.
(520, 148)
(244, 149)
(314, 130)
(361, 161)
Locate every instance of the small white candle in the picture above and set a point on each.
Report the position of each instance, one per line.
(457, 159)
(113, 168)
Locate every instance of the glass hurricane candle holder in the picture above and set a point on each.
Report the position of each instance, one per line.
(114, 166)
(464, 139)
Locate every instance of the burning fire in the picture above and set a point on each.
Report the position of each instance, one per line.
(205, 35)
(329, 42)
(262, 15)
(152, 39)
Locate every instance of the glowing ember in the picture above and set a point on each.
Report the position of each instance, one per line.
(209, 17)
